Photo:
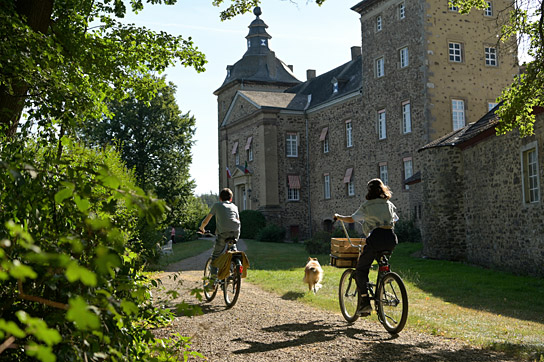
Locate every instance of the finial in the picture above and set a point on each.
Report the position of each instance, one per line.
(257, 11)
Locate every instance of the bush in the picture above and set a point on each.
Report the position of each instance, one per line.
(272, 234)
(320, 243)
(252, 222)
(407, 231)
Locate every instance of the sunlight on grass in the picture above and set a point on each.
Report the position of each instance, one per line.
(482, 307)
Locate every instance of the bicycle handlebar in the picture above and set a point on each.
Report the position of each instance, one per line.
(205, 233)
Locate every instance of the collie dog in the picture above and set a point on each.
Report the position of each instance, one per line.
(313, 274)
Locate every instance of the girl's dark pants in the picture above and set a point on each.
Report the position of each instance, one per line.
(379, 240)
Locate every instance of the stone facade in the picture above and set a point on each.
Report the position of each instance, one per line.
(477, 203)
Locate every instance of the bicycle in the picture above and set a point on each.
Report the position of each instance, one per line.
(232, 282)
(388, 293)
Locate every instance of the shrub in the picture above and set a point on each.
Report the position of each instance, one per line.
(320, 243)
(252, 222)
(407, 231)
(271, 233)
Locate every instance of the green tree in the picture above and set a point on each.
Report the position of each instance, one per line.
(525, 20)
(155, 140)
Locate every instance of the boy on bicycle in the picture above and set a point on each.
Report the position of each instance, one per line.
(378, 216)
(227, 223)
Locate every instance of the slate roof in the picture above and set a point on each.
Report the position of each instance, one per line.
(467, 133)
(348, 76)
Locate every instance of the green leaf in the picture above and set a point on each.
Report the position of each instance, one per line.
(63, 194)
(80, 314)
(129, 307)
(82, 204)
(12, 328)
(21, 271)
(76, 272)
(42, 353)
(39, 329)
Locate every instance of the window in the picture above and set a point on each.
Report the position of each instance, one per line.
(529, 168)
(293, 188)
(455, 52)
(491, 105)
(379, 23)
(403, 57)
(458, 113)
(491, 56)
(325, 139)
(380, 69)
(335, 87)
(349, 182)
(249, 149)
(291, 145)
(327, 186)
(402, 11)
(235, 153)
(489, 10)
(384, 176)
(381, 125)
(451, 7)
(263, 42)
(408, 170)
(406, 118)
(349, 134)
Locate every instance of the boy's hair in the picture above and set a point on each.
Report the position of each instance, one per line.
(225, 194)
(377, 190)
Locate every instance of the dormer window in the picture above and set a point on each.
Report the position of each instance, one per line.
(335, 87)
(248, 44)
(228, 73)
(263, 42)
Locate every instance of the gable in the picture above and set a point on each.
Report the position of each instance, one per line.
(239, 108)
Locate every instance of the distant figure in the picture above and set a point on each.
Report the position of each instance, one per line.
(173, 235)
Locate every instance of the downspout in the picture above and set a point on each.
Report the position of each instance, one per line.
(308, 164)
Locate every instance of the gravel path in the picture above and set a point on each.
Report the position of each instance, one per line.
(264, 327)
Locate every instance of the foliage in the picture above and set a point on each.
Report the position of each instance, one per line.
(251, 222)
(525, 20)
(407, 231)
(155, 140)
(70, 270)
(319, 243)
(209, 199)
(238, 7)
(271, 233)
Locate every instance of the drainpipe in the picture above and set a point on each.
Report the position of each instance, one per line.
(308, 165)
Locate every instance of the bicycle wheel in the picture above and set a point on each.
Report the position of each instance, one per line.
(348, 296)
(209, 292)
(231, 287)
(392, 302)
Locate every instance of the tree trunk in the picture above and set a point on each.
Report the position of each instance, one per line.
(37, 15)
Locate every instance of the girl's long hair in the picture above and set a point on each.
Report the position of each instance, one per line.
(377, 190)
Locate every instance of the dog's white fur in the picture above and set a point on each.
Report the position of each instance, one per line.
(313, 274)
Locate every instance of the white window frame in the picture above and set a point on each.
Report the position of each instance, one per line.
(406, 117)
(349, 134)
(384, 174)
(408, 167)
(455, 52)
(380, 67)
(293, 194)
(250, 153)
(402, 10)
(237, 159)
(489, 10)
(490, 56)
(326, 144)
(326, 186)
(382, 126)
(458, 114)
(351, 188)
(404, 60)
(530, 173)
(291, 145)
(379, 23)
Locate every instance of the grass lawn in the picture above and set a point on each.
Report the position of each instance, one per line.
(486, 308)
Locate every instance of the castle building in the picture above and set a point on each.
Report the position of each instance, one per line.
(299, 151)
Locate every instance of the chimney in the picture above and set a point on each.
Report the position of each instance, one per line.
(355, 52)
(290, 66)
(310, 74)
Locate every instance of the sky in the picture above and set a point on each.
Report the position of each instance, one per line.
(303, 35)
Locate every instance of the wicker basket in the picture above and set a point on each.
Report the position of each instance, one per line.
(343, 255)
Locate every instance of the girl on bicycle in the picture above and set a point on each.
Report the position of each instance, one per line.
(378, 216)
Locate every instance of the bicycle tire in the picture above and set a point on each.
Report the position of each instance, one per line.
(209, 293)
(392, 300)
(231, 285)
(348, 296)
